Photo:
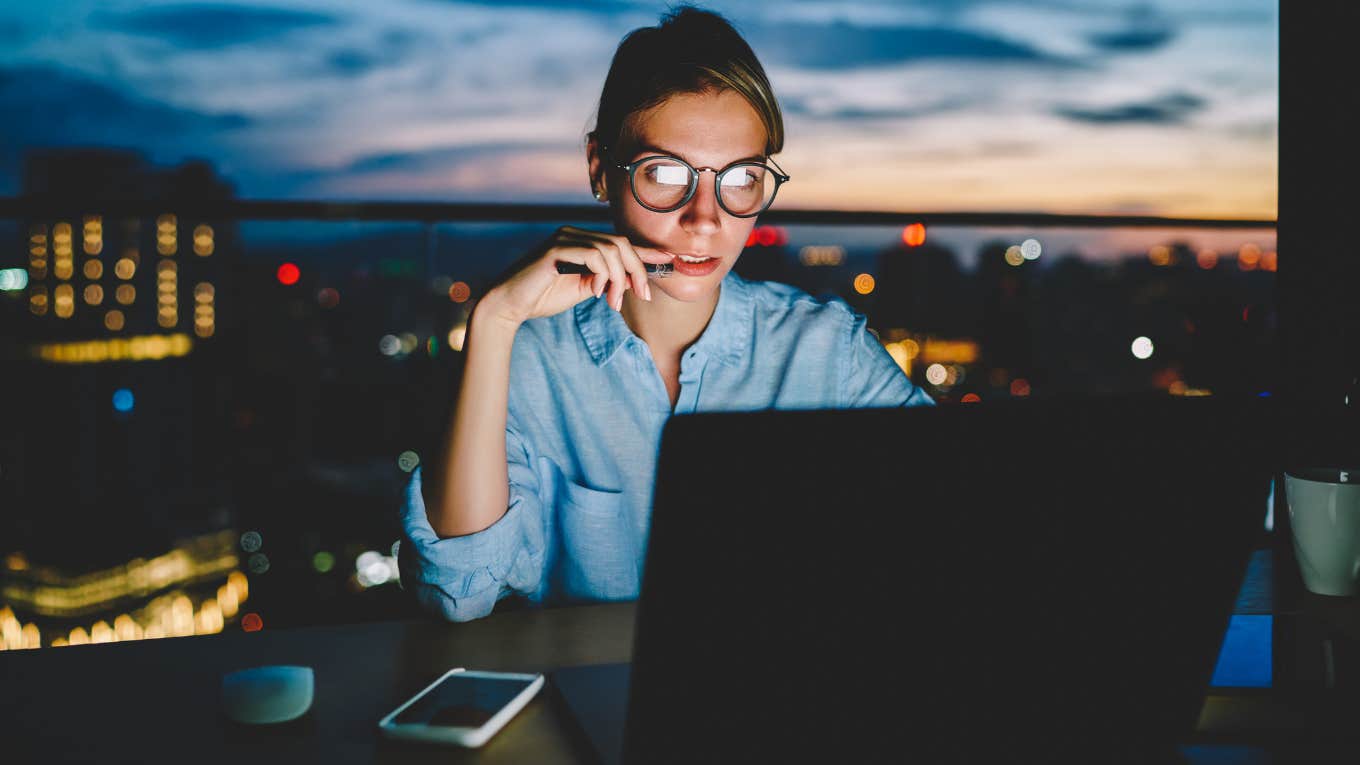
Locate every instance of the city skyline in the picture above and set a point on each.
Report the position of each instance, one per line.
(1093, 107)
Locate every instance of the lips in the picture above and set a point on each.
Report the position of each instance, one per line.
(701, 268)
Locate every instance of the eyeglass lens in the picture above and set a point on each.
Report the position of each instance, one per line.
(663, 184)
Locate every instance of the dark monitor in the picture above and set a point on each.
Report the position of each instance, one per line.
(1015, 579)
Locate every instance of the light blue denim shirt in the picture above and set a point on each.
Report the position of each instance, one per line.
(586, 409)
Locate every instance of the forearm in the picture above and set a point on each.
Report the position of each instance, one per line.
(472, 488)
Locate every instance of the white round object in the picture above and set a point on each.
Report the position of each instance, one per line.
(268, 694)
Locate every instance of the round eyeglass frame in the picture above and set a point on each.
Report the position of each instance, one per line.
(780, 178)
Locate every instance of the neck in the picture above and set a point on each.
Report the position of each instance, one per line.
(668, 325)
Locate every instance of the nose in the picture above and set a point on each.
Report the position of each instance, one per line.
(701, 215)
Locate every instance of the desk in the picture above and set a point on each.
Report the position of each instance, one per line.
(156, 700)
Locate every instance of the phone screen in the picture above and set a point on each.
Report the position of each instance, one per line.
(462, 701)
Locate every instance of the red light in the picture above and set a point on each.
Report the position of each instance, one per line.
(971, 398)
(751, 240)
(289, 274)
(459, 292)
(252, 622)
(1019, 387)
(766, 236)
(914, 235)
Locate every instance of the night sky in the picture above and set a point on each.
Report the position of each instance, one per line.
(1086, 106)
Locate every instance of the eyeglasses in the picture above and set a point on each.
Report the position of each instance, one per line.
(663, 184)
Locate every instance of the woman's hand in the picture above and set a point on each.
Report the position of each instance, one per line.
(536, 288)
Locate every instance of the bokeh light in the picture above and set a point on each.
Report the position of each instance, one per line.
(864, 284)
(288, 274)
(1141, 347)
(123, 400)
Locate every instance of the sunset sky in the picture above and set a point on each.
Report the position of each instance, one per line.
(1079, 106)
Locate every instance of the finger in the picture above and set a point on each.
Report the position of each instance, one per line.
(618, 277)
(584, 254)
(637, 269)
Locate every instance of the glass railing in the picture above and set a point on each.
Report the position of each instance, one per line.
(213, 406)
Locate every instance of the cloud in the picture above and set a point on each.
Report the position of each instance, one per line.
(213, 26)
(53, 107)
(1170, 109)
(1145, 30)
(800, 107)
(846, 46)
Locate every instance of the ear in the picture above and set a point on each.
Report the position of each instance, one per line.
(596, 167)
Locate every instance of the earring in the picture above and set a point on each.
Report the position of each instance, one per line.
(598, 196)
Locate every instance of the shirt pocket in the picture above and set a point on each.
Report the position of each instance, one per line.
(599, 558)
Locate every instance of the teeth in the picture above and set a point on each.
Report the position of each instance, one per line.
(688, 259)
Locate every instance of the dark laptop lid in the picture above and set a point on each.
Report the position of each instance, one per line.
(1028, 577)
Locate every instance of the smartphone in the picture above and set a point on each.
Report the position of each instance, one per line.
(464, 707)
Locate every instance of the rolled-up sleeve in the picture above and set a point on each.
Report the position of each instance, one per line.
(462, 578)
(870, 377)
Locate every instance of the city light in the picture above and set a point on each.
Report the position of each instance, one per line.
(407, 461)
(203, 240)
(323, 562)
(459, 292)
(94, 269)
(1020, 387)
(37, 302)
(64, 296)
(1141, 347)
(251, 541)
(139, 348)
(1160, 255)
(252, 622)
(123, 400)
(125, 268)
(94, 294)
(936, 374)
(822, 255)
(1030, 249)
(914, 235)
(13, 279)
(970, 398)
(1013, 256)
(767, 236)
(288, 274)
(457, 336)
(113, 320)
(373, 568)
(1206, 259)
(864, 284)
(328, 297)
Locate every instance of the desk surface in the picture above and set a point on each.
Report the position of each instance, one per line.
(156, 700)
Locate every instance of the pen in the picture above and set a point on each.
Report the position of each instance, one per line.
(659, 270)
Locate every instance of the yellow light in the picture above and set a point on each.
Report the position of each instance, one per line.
(899, 355)
(166, 222)
(203, 292)
(62, 268)
(61, 232)
(124, 628)
(166, 268)
(203, 240)
(93, 245)
(237, 581)
(94, 269)
(37, 302)
(822, 255)
(1160, 255)
(65, 298)
(79, 636)
(864, 284)
(227, 601)
(209, 620)
(94, 294)
(1014, 257)
(15, 561)
(58, 642)
(912, 348)
(125, 268)
(101, 632)
(113, 320)
(125, 294)
(139, 348)
(458, 336)
(950, 351)
(1206, 259)
(31, 637)
(153, 632)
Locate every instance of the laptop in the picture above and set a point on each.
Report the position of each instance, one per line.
(1018, 580)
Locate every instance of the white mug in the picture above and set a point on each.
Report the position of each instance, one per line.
(1324, 512)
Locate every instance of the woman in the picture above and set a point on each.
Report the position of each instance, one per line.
(544, 488)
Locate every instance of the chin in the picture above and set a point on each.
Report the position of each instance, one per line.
(689, 289)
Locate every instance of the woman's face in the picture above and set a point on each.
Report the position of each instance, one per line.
(711, 129)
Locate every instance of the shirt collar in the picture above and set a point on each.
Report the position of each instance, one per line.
(725, 338)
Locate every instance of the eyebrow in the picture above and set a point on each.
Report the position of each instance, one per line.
(649, 148)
